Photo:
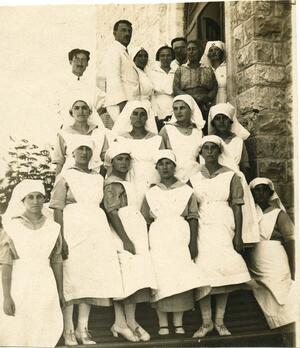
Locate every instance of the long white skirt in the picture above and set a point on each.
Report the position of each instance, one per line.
(92, 268)
(137, 270)
(276, 292)
(217, 257)
(175, 271)
(38, 319)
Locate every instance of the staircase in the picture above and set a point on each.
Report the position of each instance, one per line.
(244, 319)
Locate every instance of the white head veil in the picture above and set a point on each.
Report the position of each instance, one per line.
(94, 118)
(114, 150)
(196, 116)
(204, 60)
(225, 158)
(230, 111)
(22, 189)
(123, 124)
(274, 199)
(135, 50)
(160, 154)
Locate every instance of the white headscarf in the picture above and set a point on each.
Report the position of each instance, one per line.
(196, 116)
(123, 124)
(78, 140)
(204, 60)
(22, 189)
(230, 111)
(274, 199)
(225, 158)
(114, 150)
(160, 154)
(94, 118)
(135, 50)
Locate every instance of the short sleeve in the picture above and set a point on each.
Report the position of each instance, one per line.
(145, 210)
(165, 139)
(55, 256)
(104, 148)
(285, 226)
(113, 197)
(244, 162)
(192, 208)
(8, 251)
(236, 196)
(59, 152)
(59, 193)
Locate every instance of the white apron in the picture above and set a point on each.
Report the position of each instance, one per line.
(250, 230)
(169, 238)
(142, 172)
(217, 257)
(137, 270)
(95, 162)
(186, 149)
(221, 77)
(92, 268)
(270, 268)
(38, 319)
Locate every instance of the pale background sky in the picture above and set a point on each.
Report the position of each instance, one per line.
(34, 42)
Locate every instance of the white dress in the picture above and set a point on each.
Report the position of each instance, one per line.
(270, 268)
(92, 268)
(137, 270)
(142, 172)
(169, 238)
(38, 318)
(186, 149)
(217, 258)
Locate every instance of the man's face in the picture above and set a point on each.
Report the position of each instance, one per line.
(123, 34)
(179, 48)
(79, 64)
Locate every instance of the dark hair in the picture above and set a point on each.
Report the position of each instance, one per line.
(198, 43)
(163, 48)
(121, 21)
(162, 159)
(220, 113)
(178, 39)
(76, 51)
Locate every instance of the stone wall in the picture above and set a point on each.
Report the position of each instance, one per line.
(262, 43)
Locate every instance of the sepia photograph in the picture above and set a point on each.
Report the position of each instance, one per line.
(149, 174)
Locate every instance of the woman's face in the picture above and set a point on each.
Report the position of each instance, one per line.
(215, 54)
(121, 163)
(33, 202)
(222, 123)
(141, 59)
(165, 168)
(82, 155)
(80, 111)
(138, 118)
(261, 194)
(210, 152)
(193, 52)
(182, 111)
(165, 57)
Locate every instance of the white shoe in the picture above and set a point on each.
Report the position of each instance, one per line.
(203, 331)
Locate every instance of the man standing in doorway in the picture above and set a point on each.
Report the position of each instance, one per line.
(179, 46)
(122, 80)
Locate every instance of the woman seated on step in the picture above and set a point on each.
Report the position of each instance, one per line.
(272, 262)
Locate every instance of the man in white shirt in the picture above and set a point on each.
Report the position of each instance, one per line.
(179, 45)
(122, 79)
(78, 83)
